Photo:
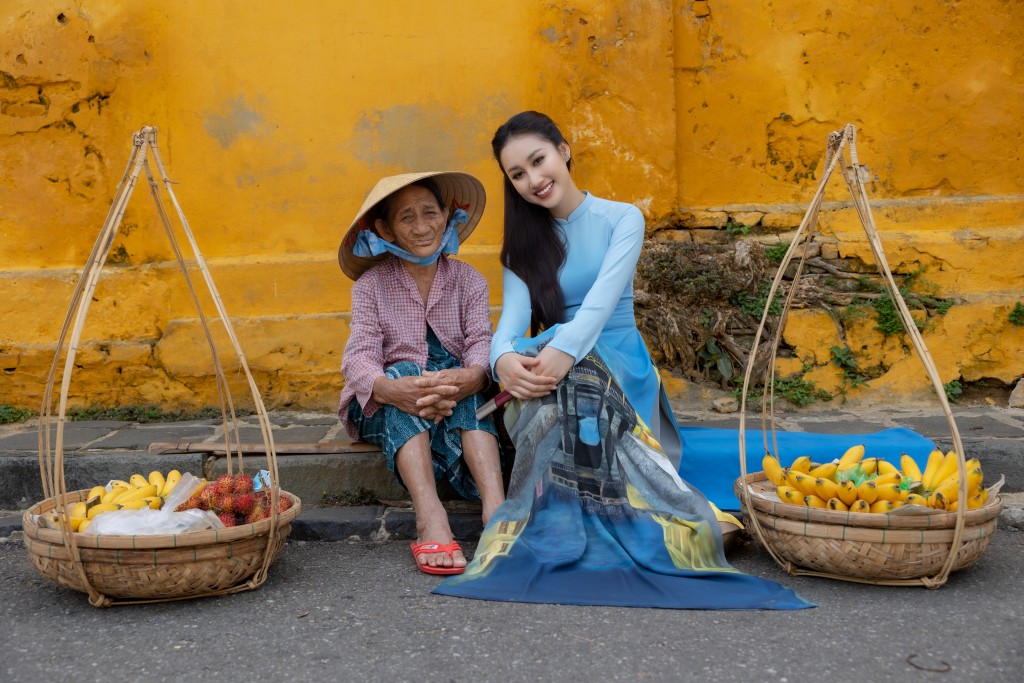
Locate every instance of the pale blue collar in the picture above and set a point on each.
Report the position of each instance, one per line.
(369, 243)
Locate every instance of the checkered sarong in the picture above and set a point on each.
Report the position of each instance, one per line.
(391, 427)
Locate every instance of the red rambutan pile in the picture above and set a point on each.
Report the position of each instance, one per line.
(228, 519)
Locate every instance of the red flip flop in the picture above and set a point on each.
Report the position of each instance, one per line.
(448, 548)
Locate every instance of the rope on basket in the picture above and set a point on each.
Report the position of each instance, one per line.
(51, 447)
(854, 175)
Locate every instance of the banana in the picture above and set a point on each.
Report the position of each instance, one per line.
(891, 478)
(977, 500)
(852, 456)
(813, 501)
(114, 493)
(76, 523)
(897, 504)
(826, 471)
(84, 525)
(935, 459)
(790, 495)
(826, 488)
(154, 502)
(772, 469)
(882, 506)
(156, 478)
(947, 468)
(848, 492)
(803, 482)
(868, 491)
(869, 466)
(837, 505)
(134, 504)
(137, 480)
(860, 506)
(937, 501)
(119, 482)
(78, 509)
(950, 490)
(974, 479)
(910, 468)
(915, 499)
(886, 467)
(173, 477)
(802, 464)
(95, 492)
(888, 492)
(137, 494)
(101, 508)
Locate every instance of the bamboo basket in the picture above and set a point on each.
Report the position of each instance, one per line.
(876, 548)
(123, 569)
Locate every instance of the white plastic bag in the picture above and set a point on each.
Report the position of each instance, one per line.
(146, 522)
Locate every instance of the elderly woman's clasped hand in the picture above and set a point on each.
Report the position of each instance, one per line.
(433, 395)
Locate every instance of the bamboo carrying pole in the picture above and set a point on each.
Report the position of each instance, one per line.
(854, 175)
(51, 440)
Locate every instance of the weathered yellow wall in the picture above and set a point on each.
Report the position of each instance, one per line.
(936, 90)
(276, 118)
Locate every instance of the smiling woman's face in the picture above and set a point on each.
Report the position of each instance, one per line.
(538, 170)
(415, 221)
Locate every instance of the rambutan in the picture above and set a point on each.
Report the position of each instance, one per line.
(242, 484)
(190, 504)
(224, 484)
(206, 497)
(258, 513)
(244, 503)
(227, 518)
(285, 504)
(224, 503)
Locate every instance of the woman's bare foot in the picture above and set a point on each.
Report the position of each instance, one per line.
(432, 527)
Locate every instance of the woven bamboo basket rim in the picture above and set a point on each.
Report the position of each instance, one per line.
(150, 541)
(51, 426)
(877, 520)
(854, 175)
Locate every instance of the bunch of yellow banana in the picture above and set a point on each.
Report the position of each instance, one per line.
(858, 484)
(136, 493)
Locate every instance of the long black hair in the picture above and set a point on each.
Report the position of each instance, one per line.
(532, 247)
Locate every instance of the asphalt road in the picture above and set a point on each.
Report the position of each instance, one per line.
(359, 611)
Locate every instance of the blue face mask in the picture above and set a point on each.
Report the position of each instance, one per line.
(369, 243)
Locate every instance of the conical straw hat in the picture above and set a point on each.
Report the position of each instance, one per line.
(458, 190)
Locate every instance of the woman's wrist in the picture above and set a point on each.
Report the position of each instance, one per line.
(380, 391)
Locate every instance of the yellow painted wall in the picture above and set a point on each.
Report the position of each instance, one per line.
(276, 118)
(936, 90)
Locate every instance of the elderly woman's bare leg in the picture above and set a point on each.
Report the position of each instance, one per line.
(414, 463)
(480, 451)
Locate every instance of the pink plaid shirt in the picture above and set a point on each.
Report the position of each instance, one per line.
(389, 324)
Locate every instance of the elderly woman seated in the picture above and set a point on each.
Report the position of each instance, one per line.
(418, 352)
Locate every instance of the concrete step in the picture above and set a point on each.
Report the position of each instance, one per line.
(96, 452)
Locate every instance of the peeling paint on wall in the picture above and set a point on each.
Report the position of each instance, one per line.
(241, 118)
